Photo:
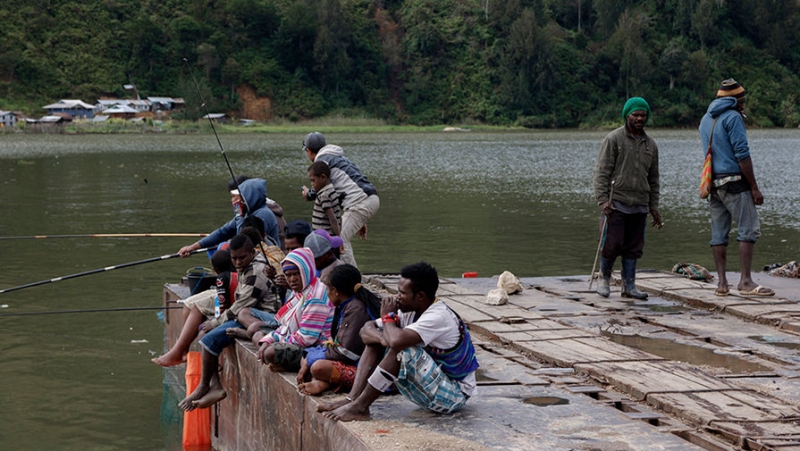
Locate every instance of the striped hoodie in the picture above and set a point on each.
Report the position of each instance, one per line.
(305, 319)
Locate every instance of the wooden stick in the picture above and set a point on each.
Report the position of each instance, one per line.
(604, 228)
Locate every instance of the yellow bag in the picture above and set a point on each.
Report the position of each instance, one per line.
(705, 175)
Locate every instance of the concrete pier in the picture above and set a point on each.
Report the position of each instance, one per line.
(563, 369)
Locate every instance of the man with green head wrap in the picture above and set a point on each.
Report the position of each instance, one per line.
(628, 159)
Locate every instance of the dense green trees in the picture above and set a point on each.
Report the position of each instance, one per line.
(536, 63)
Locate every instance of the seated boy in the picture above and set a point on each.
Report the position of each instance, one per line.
(253, 317)
(254, 292)
(334, 363)
(431, 361)
(327, 213)
(305, 319)
(199, 309)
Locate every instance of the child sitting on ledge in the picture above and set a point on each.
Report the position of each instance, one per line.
(305, 319)
(334, 363)
(200, 314)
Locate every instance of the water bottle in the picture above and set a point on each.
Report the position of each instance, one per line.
(216, 306)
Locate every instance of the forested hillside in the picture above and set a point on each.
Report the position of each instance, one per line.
(536, 63)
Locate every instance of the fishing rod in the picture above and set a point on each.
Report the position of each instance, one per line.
(95, 310)
(211, 122)
(105, 235)
(107, 268)
(222, 151)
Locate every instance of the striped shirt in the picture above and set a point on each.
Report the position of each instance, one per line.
(327, 198)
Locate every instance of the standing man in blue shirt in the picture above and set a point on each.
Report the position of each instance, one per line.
(734, 191)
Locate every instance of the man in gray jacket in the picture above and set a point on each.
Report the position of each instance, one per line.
(359, 197)
(629, 159)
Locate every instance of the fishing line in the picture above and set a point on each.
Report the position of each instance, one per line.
(222, 151)
(59, 312)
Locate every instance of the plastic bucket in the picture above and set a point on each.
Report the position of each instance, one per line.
(200, 279)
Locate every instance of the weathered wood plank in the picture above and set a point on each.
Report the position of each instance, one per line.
(766, 431)
(467, 313)
(566, 353)
(542, 335)
(703, 408)
(517, 337)
(640, 379)
(527, 326)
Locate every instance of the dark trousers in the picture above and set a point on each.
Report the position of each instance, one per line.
(625, 236)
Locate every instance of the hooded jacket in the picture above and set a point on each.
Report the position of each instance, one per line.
(305, 319)
(730, 137)
(346, 178)
(254, 193)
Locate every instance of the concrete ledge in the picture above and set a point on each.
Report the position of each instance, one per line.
(287, 420)
(263, 410)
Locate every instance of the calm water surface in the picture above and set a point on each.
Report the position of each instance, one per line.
(484, 202)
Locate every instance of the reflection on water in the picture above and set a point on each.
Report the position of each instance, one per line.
(695, 355)
(773, 341)
(484, 202)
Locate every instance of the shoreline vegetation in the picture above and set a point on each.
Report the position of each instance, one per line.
(536, 64)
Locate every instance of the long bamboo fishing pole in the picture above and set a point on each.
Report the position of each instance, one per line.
(95, 271)
(105, 235)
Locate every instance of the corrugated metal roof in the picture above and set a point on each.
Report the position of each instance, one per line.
(117, 109)
(68, 103)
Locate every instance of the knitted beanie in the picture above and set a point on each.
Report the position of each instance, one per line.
(635, 104)
(731, 88)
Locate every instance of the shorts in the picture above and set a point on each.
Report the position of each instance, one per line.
(288, 356)
(724, 208)
(203, 301)
(218, 339)
(424, 383)
(342, 376)
(267, 318)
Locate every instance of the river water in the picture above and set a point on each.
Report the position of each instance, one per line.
(483, 202)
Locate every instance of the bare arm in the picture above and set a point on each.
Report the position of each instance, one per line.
(746, 166)
(335, 228)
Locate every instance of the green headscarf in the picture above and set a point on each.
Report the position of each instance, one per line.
(635, 104)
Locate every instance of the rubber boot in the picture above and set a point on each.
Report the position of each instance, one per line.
(629, 280)
(603, 283)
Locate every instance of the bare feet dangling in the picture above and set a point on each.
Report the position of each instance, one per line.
(168, 360)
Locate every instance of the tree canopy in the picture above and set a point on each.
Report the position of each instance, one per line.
(535, 63)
